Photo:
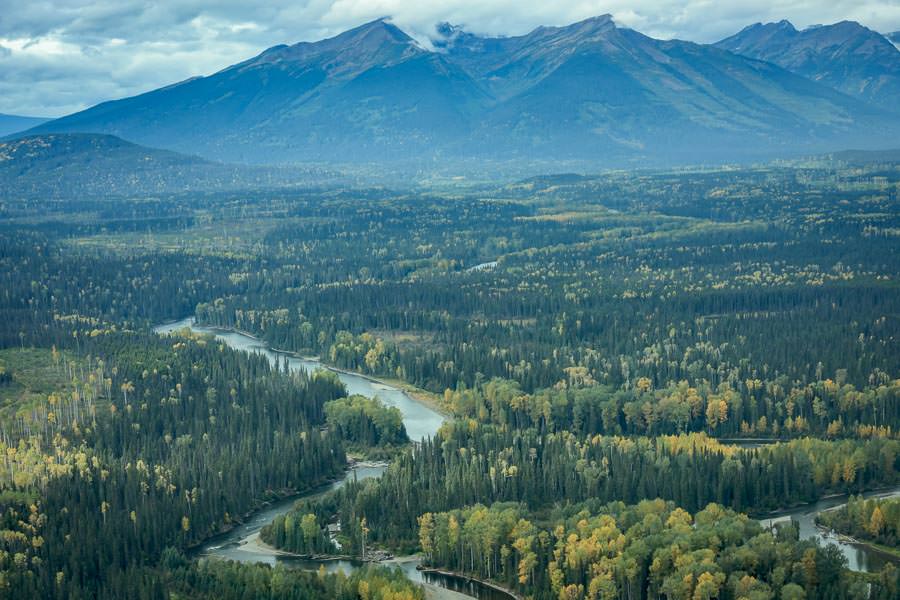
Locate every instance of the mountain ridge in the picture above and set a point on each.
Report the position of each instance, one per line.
(846, 56)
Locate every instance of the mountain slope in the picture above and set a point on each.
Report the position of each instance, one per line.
(845, 56)
(10, 124)
(588, 91)
(79, 164)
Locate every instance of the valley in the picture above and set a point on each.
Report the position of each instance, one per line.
(243, 543)
(599, 348)
(458, 302)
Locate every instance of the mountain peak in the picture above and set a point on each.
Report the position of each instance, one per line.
(372, 36)
(590, 26)
(785, 24)
(379, 28)
(849, 25)
(377, 42)
(783, 27)
(597, 21)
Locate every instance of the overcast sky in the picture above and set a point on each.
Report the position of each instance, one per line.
(59, 56)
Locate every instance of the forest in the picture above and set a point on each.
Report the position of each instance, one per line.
(649, 550)
(633, 367)
(468, 464)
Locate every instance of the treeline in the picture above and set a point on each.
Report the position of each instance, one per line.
(750, 303)
(470, 463)
(42, 282)
(649, 550)
(796, 286)
(217, 580)
(873, 520)
(829, 408)
(702, 336)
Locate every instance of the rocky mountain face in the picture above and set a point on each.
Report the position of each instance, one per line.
(588, 91)
(845, 56)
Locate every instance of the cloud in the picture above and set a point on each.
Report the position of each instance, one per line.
(59, 56)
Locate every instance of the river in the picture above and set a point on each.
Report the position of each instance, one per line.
(420, 421)
(242, 542)
(859, 556)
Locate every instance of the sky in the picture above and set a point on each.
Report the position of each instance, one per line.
(60, 56)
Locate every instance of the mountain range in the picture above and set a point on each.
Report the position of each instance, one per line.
(589, 91)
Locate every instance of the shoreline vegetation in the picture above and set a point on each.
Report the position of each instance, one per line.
(891, 554)
(784, 511)
(285, 496)
(867, 522)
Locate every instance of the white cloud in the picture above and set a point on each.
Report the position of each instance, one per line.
(58, 56)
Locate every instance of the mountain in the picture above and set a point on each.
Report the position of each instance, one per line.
(14, 123)
(593, 85)
(79, 164)
(369, 92)
(590, 91)
(845, 56)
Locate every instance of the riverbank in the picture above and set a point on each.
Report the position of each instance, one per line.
(420, 395)
(422, 416)
(255, 545)
(886, 491)
(429, 399)
(892, 554)
(279, 497)
(462, 576)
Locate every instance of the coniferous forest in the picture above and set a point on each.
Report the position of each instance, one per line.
(634, 368)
